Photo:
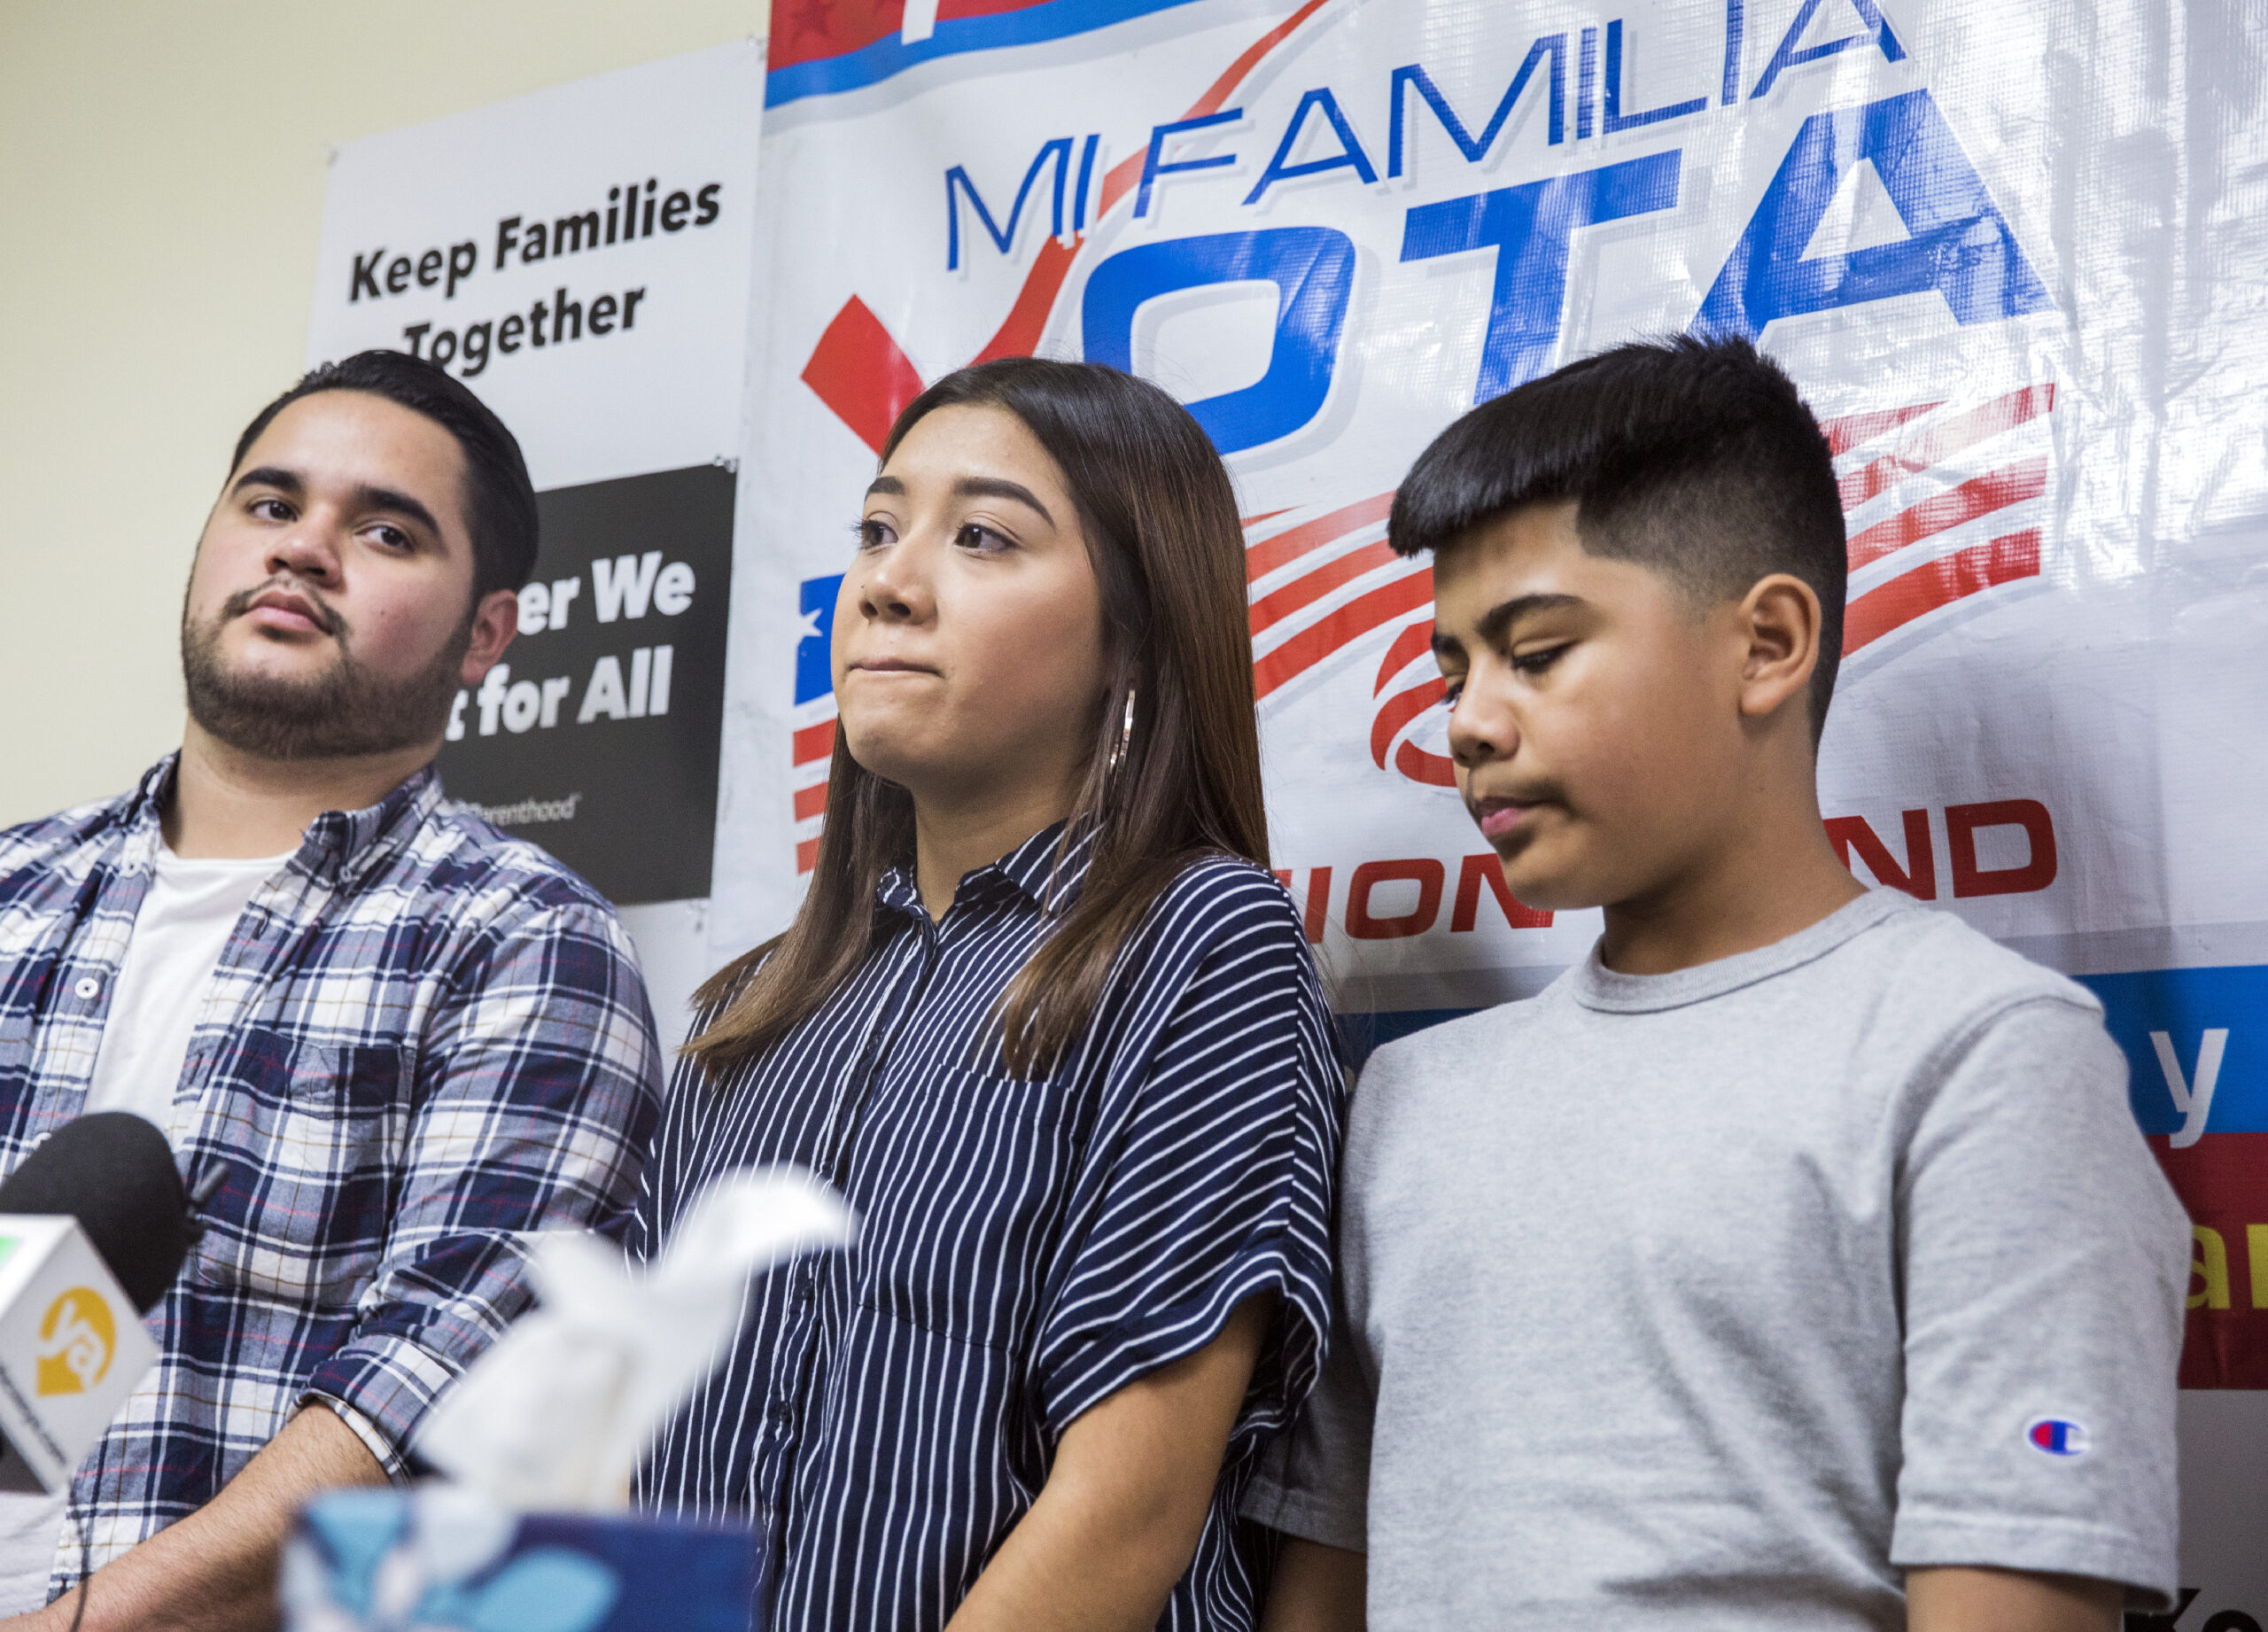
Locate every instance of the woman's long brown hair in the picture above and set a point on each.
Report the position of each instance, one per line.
(1160, 520)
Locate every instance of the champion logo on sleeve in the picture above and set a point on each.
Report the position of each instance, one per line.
(2057, 1437)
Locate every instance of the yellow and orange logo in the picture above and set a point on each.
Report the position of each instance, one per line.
(77, 1338)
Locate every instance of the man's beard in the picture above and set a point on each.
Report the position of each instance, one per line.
(347, 712)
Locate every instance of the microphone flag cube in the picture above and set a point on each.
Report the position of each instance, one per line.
(72, 1348)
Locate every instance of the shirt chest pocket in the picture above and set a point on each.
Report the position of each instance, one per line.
(959, 1181)
(312, 1137)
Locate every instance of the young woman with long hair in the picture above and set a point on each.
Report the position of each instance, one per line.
(1048, 1022)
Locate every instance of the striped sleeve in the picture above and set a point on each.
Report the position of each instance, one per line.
(1207, 1176)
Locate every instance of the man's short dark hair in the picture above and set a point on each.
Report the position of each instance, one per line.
(1695, 458)
(499, 499)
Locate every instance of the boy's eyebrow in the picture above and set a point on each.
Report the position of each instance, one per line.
(1501, 617)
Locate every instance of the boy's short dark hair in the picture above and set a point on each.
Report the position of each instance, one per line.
(499, 501)
(1695, 458)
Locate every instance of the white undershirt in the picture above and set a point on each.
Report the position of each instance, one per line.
(179, 935)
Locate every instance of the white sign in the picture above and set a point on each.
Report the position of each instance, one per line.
(580, 258)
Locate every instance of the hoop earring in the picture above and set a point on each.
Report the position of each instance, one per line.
(1125, 737)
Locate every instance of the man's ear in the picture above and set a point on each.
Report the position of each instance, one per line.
(494, 622)
(1779, 622)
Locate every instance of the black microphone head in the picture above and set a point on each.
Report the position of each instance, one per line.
(114, 1173)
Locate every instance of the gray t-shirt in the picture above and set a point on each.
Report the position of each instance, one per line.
(1718, 1299)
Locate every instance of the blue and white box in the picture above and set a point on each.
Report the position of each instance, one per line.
(436, 1559)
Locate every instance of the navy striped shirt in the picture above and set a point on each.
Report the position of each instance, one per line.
(1027, 1247)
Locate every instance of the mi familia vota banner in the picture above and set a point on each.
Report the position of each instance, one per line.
(579, 258)
(2012, 253)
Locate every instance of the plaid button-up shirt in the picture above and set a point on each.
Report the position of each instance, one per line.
(423, 1041)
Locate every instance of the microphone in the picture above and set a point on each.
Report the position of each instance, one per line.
(94, 1226)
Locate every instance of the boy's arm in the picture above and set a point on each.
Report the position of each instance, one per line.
(2028, 1204)
(1953, 1600)
(1317, 1589)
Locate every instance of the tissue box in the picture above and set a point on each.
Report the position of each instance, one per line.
(437, 1558)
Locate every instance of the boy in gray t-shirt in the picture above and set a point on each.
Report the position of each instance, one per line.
(1794, 1261)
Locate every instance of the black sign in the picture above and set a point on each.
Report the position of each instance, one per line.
(596, 737)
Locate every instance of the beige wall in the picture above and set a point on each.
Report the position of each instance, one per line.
(161, 180)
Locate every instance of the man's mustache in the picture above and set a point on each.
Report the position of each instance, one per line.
(326, 616)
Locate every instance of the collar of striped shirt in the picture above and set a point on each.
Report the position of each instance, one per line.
(422, 1040)
(1042, 869)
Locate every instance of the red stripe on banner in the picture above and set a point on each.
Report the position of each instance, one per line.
(948, 9)
(812, 742)
(1311, 587)
(2223, 1183)
(1398, 710)
(1970, 571)
(1981, 496)
(1222, 88)
(1118, 180)
(1027, 320)
(1249, 521)
(1942, 441)
(1853, 430)
(806, 855)
(1415, 639)
(858, 371)
(1019, 333)
(810, 801)
(1434, 770)
(1352, 621)
(1264, 557)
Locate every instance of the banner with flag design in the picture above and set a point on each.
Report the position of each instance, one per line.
(2011, 253)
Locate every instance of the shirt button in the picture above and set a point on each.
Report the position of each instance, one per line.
(86, 988)
(781, 1415)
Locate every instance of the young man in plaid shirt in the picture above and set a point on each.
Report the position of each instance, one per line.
(396, 1040)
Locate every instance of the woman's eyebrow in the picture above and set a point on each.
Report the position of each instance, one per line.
(997, 487)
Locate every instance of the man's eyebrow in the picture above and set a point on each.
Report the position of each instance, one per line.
(1497, 620)
(269, 476)
(997, 487)
(369, 498)
(364, 496)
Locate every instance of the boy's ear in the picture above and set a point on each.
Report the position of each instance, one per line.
(1779, 621)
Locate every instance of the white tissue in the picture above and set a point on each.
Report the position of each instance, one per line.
(556, 1415)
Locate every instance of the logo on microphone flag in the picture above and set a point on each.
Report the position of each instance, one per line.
(78, 1336)
(2058, 1436)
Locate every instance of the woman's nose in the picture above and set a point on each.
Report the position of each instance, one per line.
(894, 588)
